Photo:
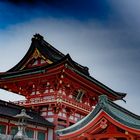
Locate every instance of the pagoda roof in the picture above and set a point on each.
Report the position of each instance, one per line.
(119, 95)
(15, 73)
(10, 110)
(47, 51)
(118, 114)
(70, 65)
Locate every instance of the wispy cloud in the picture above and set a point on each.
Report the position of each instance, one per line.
(108, 46)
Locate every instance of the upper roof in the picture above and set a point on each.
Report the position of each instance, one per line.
(51, 57)
(10, 110)
(40, 48)
(118, 113)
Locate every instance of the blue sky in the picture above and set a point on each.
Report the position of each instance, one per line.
(78, 9)
(102, 35)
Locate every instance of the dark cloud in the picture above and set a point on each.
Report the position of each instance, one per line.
(106, 34)
(81, 9)
(84, 8)
(21, 1)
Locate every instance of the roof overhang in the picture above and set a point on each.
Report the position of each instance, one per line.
(98, 120)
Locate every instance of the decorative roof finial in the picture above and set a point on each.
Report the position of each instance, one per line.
(103, 99)
(38, 36)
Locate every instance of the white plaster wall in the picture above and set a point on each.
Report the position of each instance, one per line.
(50, 134)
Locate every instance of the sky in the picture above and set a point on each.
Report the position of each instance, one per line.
(103, 35)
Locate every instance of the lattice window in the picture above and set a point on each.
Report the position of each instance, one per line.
(78, 95)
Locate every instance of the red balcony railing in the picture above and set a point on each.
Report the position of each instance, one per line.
(54, 98)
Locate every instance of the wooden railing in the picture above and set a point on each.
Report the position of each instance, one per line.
(75, 103)
(54, 98)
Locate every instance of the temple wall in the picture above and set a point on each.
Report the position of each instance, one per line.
(8, 127)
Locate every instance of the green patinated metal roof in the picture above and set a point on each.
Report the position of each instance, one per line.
(123, 116)
(115, 111)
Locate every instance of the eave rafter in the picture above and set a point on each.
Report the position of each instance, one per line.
(121, 125)
(105, 121)
(97, 85)
(87, 130)
(70, 70)
(63, 77)
(88, 85)
(99, 123)
(21, 83)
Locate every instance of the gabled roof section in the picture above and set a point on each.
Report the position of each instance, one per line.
(119, 95)
(41, 53)
(70, 64)
(39, 49)
(42, 57)
(118, 113)
(9, 110)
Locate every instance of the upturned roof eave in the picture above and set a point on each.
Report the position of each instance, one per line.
(39, 69)
(46, 50)
(103, 106)
(118, 95)
(40, 44)
(71, 65)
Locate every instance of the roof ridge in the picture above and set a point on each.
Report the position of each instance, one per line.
(104, 102)
(124, 110)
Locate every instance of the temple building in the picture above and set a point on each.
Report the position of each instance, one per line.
(72, 104)
(38, 127)
(108, 121)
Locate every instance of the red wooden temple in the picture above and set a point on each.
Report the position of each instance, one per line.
(59, 88)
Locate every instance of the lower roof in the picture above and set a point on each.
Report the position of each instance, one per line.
(113, 110)
(10, 110)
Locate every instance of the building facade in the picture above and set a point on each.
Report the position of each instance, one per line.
(108, 121)
(38, 128)
(58, 88)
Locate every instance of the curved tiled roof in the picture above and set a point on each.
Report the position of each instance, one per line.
(57, 58)
(48, 51)
(115, 111)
